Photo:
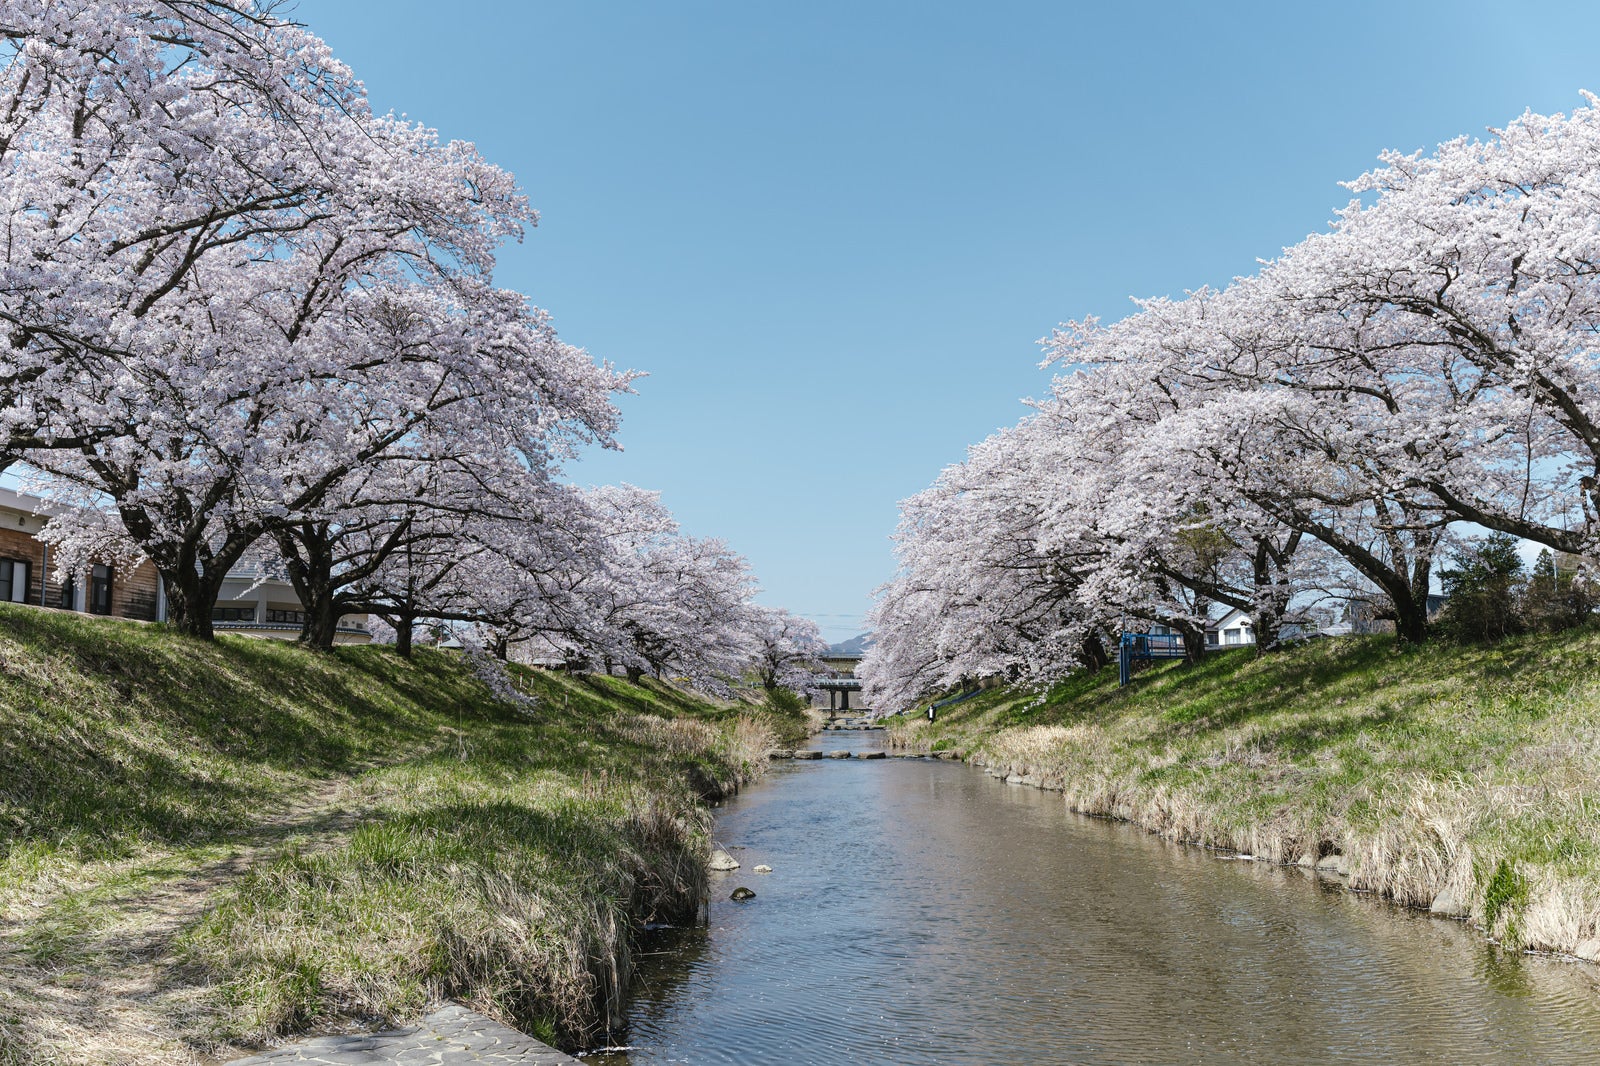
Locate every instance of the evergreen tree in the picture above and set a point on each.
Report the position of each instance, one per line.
(1483, 587)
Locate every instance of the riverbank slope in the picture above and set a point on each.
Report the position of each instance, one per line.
(1462, 779)
(206, 847)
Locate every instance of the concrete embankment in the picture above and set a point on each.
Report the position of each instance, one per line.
(450, 1036)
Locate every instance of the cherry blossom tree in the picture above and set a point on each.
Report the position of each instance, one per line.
(253, 289)
(977, 594)
(669, 605)
(1463, 287)
(787, 649)
(1249, 413)
(1315, 429)
(148, 149)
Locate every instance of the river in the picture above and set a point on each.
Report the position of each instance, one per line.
(922, 912)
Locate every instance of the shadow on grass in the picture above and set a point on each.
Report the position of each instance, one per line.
(112, 732)
(116, 731)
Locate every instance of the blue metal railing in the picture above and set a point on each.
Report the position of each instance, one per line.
(1137, 646)
(957, 699)
(1154, 645)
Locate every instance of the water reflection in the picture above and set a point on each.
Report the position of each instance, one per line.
(921, 912)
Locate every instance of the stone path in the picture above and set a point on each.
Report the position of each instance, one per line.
(450, 1036)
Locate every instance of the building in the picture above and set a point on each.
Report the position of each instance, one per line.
(251, 602)
(257, 604)
(1232, 630)
(25, 575)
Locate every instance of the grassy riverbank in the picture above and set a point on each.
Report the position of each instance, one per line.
(207, 846)
(1463, 777)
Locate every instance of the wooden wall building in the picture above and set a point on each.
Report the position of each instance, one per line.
(250, 603)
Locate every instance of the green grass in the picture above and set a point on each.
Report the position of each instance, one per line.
(1470, 768)
(207, 846)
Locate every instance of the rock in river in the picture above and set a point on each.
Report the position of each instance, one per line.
(808, 755)
(838, 755)
(721, 860)
(875, 755)
(763, 869)
(1446, 904)
(741, 894)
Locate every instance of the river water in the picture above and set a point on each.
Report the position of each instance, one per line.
(922, 912)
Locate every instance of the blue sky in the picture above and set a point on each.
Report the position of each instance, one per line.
(833, 232)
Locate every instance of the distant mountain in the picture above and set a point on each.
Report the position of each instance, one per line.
(856, 645)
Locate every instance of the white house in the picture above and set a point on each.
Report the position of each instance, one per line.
(256, 602)
(1232, 630)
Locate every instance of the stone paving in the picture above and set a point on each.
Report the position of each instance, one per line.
(450, 1036)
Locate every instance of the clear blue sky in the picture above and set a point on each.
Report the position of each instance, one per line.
(832, 232)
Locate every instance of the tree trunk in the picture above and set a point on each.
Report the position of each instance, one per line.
(1411, 618)
(307, 552)
(191, 574)
(1272, 590)
(190, 598)
(321, 625)
(635, 674)
(1194, 640)
(1092, 652)
(322, 611)
(403, 625)
(1408, 593)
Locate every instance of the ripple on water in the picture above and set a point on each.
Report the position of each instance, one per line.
(922, 912)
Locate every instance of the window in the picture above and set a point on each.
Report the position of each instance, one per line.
(14, 580)
(233, 614)
(69, 594)
(277, 614)
(1233, 636)
(100, 590)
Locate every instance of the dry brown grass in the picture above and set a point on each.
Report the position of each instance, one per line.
(1471, 770)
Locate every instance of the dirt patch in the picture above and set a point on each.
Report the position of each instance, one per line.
(89, 970)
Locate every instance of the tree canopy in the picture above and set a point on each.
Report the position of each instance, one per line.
(1315, 431)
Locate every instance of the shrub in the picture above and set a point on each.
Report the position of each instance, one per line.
(1483, 587)
(1560, 593)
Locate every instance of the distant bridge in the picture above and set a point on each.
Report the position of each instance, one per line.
(838, 690)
